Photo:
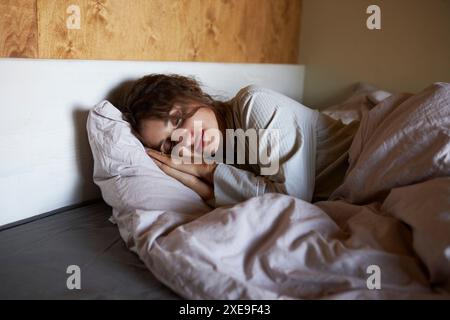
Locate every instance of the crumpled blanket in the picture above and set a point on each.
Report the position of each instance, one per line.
(383, 234)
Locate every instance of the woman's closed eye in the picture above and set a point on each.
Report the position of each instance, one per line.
(167, 146)
(178, 121)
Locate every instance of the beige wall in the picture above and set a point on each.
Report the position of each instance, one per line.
(411, 50)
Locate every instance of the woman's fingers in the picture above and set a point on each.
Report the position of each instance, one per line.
(174, 173)
(202, 189)
(202, 170)
(159, 156)
(192, 169)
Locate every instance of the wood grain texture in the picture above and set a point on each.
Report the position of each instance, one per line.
(255, 31)
(18, 29)
(173, 30)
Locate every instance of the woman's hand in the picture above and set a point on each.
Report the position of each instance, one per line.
(202, 171)
(204, 190)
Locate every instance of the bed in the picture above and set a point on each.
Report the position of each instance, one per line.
(383, 234)
(35, 255)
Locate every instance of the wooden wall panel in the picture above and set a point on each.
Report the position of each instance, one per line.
(257, 31)
(18, 28)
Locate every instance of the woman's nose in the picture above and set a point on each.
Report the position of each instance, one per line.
(187, 137)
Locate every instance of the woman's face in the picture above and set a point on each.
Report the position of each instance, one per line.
(157, 133)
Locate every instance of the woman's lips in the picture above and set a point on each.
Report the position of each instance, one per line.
(204, 144)
(200, 143)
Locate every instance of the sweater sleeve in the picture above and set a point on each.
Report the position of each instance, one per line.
(292, 167)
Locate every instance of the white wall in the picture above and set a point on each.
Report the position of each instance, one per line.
(411, 50)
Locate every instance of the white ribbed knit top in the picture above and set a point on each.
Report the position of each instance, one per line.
(262, 108)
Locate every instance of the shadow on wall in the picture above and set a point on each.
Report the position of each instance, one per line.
(85, 161)
(117, 94)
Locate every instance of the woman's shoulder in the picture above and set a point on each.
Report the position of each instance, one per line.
(256, 106)
(248, 91)
(263, 98)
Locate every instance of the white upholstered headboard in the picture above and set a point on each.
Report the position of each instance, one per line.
(45, 161)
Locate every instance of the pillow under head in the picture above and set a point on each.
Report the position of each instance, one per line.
(128, 178)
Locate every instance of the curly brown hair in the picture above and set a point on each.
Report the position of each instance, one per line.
(154, 95)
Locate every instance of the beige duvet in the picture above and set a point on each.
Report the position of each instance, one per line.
(384, 233)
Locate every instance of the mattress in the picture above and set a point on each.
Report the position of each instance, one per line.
(34, 258)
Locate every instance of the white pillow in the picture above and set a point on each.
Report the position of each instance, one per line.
(128, 178)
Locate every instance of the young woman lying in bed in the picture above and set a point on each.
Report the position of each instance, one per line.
(283, 146)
